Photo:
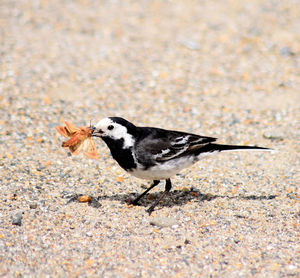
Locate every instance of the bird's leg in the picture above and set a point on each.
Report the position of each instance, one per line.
(136, 200)
(167, 189)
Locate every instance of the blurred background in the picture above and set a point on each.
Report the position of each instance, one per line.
(151, 61)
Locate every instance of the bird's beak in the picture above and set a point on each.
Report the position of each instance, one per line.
(96, 132)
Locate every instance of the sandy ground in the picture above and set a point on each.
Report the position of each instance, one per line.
(226, 69)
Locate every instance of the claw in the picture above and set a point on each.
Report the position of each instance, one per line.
(150, 210)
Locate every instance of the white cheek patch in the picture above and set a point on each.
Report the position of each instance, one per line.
(119, 131)
(103, 124)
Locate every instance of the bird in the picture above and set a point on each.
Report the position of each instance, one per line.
(154, 153)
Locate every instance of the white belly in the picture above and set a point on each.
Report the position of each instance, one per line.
(169, 168)
(165, 170)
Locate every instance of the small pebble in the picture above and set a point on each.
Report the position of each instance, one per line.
(273, 136)
(187, 241)
(190, 44)
(84, 199)
(163, 222)
(33, 205)
(287, 51)
(17, 219)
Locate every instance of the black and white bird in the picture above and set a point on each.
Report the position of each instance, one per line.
(156, 154)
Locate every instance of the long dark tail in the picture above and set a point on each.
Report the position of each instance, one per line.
(209, 148)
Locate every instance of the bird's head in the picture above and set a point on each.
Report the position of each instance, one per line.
(115, 128)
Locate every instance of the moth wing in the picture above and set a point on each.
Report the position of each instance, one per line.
(74, 143)
(76, 148)
(89, 148)
(62, 131)
(71, 129)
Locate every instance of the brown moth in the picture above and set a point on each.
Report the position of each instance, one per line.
(80, 139)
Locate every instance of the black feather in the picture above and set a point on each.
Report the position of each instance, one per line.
(220, 148)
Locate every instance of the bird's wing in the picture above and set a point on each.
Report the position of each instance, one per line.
(162, 145)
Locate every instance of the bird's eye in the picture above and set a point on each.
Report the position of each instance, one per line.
(110, 127)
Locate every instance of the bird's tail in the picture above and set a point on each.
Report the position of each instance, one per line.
(223, 148)
(215, 148)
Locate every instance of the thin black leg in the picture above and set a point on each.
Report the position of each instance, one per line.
(167, 189)
(136, 200)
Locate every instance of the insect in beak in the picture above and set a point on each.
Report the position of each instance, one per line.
(96, 132)
(91, 127)
(79, 139)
